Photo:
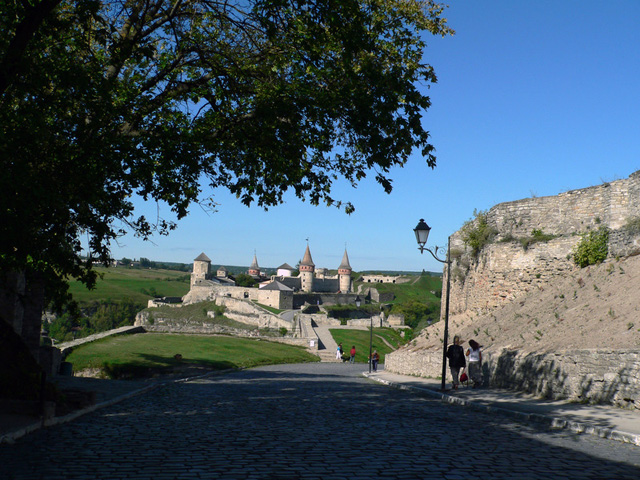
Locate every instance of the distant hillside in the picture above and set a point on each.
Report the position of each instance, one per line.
(398, 273)
(136, 284)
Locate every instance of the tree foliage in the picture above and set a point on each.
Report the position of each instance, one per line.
(101, 101)
(244, 280)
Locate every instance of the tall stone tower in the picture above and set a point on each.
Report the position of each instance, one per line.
(344, 274)
(307, 268)
(254, 269)
(201, 268)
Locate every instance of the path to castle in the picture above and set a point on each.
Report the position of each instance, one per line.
(313, 421)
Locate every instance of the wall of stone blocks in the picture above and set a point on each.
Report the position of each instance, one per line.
(595, 376)
(504, 270)
(246, 312)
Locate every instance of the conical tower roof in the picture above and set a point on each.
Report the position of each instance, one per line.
(254, 264)
(345, 262)
(202, 258)
(306, 260)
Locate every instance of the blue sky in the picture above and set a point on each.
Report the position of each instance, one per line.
(533, 99)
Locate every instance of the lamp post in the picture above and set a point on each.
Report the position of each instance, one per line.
(422, 234)
(358, 303)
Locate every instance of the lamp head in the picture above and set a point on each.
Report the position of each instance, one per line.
(422, 234)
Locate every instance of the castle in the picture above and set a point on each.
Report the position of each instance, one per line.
(282, 291)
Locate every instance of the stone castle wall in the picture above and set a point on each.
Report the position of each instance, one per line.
(504, 269)
(595, 376)
(383, 279)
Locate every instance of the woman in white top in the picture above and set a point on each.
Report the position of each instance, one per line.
(475, 363)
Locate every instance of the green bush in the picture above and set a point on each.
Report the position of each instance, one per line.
(416, 312)
(537, 235)
(476, 232)
(593, 248)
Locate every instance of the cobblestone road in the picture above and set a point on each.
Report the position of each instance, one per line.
(315, 421)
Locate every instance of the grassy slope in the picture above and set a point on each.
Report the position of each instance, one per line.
(361, 338)
(418, 289)
(145, 354)
(123, 282)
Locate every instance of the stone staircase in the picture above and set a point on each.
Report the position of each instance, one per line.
(327, 346)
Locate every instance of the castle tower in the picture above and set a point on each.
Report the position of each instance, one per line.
(201, 268)
(306, 272)
(344, 274)
(254, 269)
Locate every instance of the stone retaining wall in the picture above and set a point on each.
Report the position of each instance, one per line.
(66, 347)
(246, 312)
(594, 376)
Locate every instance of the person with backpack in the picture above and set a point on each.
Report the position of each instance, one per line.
(455, 354)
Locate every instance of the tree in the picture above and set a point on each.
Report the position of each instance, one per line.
(244, 280)
(171, 100)
(146, 263)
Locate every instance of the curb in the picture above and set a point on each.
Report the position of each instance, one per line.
(552, 422)
(11, 437)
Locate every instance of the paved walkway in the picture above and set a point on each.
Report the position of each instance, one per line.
(311, 422)
(604, 421)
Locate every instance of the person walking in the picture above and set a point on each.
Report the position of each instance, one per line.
(455, 354)
(475, 363)
(375, 358)
(339, 352)
(352, 354)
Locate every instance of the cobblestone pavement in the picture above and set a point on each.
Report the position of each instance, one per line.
(313, 421)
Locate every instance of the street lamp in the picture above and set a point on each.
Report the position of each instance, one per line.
(358, 302)
(422, 234)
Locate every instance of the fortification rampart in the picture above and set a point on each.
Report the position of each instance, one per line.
(384, 279)
(206, 290)
(505, 269)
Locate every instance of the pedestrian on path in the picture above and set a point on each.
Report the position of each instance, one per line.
(475, 363)
(455, 354)
(375, 358)
(352, 354)
(339, 352)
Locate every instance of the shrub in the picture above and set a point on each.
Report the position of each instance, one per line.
(593, 248)
(476, 232)
(537, 235)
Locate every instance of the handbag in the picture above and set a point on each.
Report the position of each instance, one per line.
(464, 377)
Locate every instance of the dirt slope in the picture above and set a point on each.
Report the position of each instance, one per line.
(594, 307)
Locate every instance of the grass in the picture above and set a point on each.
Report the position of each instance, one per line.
(419, 289)
(360, 338)
(148, 354)
(275, 311)
(136, 284)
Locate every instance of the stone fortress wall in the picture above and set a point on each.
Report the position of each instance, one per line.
(504, 269)
(384, 279)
